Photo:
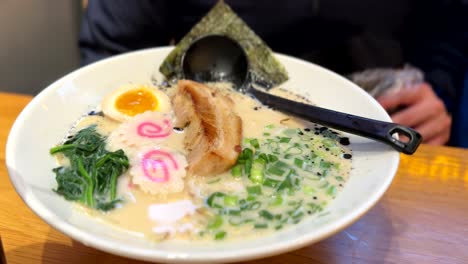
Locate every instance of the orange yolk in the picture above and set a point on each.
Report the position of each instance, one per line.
(136, 102)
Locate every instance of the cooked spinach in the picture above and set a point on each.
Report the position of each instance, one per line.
(92, 175)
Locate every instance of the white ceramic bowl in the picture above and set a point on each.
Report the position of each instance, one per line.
(45, 121)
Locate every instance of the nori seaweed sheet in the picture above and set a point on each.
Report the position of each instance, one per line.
(221, 20)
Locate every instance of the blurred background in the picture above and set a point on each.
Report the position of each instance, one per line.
(38, 44)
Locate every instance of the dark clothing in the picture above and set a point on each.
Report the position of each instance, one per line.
(342, 35)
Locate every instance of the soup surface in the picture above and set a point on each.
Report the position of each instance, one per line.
(288, 169)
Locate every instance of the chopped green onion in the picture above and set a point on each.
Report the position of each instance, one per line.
(254, 190)
(285, 140)
(294, 150)
(248, 166)
(236, 171)
(298, 215)
(286, 184)
(339, 178)
(263, 156)
(254, 143)
(246, 159)
(230, 200)
(251, 198)
(239, 221)
(313, 155)
(328, 143)
(271, 182)
(220, 235)
(270, 126)
(211, 199)
(308, 190)
(273, 146)
(297, 182)
(217, 222)
(275, 171)
(299, 163)
(265, 214)
(234, 212)
(256, 172)
(331, 190)
(255, 205)
(278, 200)
(261, 226)
(325, 164)
(272, 158)
(314, 207)
(281, 164)
(266, 134)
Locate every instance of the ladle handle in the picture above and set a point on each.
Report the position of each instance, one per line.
(369, 128)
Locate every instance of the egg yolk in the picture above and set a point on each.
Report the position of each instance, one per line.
(136, 102)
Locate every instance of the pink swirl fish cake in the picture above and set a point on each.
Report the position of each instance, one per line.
(158, 170)
(146, 129)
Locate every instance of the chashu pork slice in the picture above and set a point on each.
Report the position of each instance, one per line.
(213, 131)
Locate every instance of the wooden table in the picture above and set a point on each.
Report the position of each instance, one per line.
(423, 218)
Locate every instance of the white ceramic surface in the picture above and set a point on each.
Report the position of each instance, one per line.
(45, 121)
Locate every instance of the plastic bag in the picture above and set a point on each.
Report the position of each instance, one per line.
(386, 81)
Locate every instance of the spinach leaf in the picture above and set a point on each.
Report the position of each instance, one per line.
(92, 175)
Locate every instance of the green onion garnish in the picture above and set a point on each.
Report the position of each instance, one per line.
(271, 182)
(299, 163)
(286, 184)
(275, 171)
(211, 199)
(220, 235)
(261, 226)
(255, 205)
(294, 150)
(217, 222)
(256, 172)
(254, 143)
(308, 190)
(272, 158)
(254, 190)
(236, 171)
(230, 200)
(265, 214)
(331, 190)
(278, 200)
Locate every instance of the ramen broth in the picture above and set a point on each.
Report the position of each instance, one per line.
(306, 167)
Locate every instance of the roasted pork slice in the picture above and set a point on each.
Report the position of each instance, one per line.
(213, 131)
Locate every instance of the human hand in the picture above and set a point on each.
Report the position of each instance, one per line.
(422, 110)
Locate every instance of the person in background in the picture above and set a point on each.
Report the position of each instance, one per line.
(345, 36)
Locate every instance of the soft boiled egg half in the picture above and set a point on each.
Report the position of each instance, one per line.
(127, 101)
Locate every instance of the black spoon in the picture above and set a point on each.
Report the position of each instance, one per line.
(217, 58)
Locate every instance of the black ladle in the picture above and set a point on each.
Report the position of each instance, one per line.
(216, 58)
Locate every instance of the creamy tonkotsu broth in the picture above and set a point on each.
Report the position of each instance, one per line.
(298, 168)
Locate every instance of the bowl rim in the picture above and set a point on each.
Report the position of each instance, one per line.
(114, 247)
